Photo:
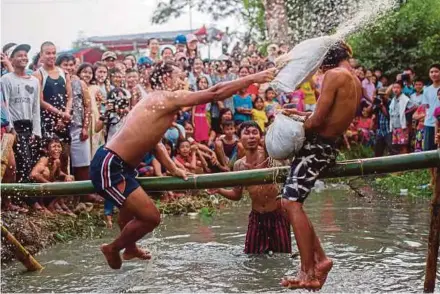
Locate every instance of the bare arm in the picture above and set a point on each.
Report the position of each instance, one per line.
(157, 167)
(235, 193)
(161, 154)
(37, 171)
(220, 91)
(69, 100)
(87, 105)
(332, 81)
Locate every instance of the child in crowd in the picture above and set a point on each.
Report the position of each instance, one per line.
(226, 146)
(199, 119)
(365, 127)
(271, 103)
(400, 106)
(419, 119)
(225, 115)
(416, 97)
(258, 113)
(48, 170)
(243, 107)
(186, 155)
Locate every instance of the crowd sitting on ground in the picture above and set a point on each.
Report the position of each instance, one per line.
(60, 111)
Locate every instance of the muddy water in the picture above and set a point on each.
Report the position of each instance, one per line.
(378, 246)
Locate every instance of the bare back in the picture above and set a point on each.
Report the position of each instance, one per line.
(264, 197)
(144, 127)
(344, 90)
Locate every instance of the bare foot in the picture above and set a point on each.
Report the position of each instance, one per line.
(112, 256)
(322, 269)
(136, 252)
(302, 281)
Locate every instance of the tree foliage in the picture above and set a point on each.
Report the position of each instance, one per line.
(409, 36)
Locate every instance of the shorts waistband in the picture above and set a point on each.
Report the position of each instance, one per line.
(316, 138)
(125, 165)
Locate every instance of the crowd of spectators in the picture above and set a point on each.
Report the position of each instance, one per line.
(60, 111)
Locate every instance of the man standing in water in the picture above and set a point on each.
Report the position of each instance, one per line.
(113, 169)
(335, 110)
(268, 229)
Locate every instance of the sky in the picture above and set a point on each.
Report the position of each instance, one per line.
(35, 21)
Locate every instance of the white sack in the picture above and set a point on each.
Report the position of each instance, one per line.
(301, 63)
(284, 138)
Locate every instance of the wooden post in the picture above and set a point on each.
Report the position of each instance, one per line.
(434, 235)
(21, 253)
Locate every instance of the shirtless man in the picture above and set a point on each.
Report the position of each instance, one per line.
(335, 110)
(268, 229)
(113, 171)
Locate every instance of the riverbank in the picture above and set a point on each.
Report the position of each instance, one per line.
(37, 232)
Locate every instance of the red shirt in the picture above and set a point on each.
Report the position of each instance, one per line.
(252, 90)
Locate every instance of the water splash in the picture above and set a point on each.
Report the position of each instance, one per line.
(368, 12)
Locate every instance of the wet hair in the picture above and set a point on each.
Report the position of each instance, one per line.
(161, 69)
(338, 52)
(83, 66)
(64, 58)
(249, 124)
(228, 123)
(114, 71)
(47, 43)
(435, 65)
(50, 140)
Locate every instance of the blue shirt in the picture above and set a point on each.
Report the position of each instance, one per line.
(430, 98)
(242, 102)
(408, 91)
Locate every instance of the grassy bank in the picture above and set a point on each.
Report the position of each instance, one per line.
(416, 182)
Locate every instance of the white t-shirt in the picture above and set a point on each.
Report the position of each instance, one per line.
(430, 99)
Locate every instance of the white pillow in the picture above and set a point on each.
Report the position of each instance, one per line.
(284, 138)
(301, 63)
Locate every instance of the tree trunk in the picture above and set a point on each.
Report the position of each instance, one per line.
(276, 21)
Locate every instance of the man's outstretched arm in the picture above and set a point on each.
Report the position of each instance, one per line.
(221, 91)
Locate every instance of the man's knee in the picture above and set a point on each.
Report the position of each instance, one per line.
(290, 205)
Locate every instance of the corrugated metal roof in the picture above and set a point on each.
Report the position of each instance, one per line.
(143, 36)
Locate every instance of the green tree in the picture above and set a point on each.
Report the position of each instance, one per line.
(406, 37)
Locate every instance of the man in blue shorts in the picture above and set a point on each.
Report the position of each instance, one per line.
(112, 170)
(336, 108)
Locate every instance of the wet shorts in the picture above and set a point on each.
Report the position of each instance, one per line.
(315, 156)
(107, 170)
(268, 232)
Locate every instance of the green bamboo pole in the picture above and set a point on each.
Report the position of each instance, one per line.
(358, 167)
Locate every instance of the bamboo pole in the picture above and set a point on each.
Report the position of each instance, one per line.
(433, 239)
(358, 167)
(21, 253)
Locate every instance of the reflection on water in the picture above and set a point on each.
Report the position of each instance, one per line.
(377, 246)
